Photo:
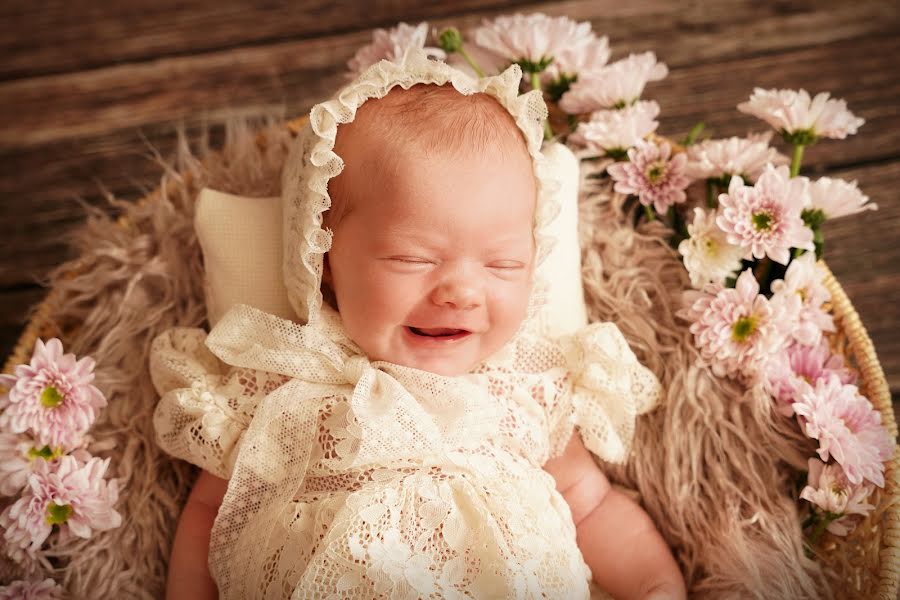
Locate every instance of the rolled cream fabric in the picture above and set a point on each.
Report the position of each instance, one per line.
(242, 251)
(565, 311)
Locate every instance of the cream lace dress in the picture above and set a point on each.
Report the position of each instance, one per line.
(351, 478)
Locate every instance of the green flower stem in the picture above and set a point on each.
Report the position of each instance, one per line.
(696, 130)
(471, 62)
(822, 523)
(649, 212)
(536, 85)
(798, 158)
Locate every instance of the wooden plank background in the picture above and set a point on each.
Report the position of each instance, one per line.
(86, 88)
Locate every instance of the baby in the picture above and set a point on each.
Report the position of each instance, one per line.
(415, 437)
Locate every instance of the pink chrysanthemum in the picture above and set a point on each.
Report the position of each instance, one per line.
(798, 367)
(791, 111)
(32, 590)
(16, 457)
(392, 44)
(804, 278)
(736, 330)
(829, 489)
(617, 85)
(74, 497)
(568, 46)
(838, 198)
(746, 157)
(765, 219)
(615, 131)
(653, 174)
(53, 397)
(848, 428)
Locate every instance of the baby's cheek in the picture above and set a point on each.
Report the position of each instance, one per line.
(511, 306)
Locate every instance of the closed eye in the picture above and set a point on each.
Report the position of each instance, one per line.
(410, 259)
(506, 265)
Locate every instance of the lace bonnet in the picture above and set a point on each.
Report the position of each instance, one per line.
(312, 162)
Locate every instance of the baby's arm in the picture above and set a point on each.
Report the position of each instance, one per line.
(189, 576)
(627, 555)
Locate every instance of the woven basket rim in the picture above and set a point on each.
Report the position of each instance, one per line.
(859, 342)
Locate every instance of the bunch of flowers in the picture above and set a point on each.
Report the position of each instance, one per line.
(747, 224)
(56, 489)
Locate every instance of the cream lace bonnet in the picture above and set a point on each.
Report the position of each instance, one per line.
(312, 163)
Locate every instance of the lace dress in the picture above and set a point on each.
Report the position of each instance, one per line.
(357, 479)
(351, 478)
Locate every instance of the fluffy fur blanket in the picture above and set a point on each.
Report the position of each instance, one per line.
(709, 464)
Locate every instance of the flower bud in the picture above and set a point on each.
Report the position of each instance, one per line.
(450, 40)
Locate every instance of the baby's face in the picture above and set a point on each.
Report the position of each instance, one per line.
(431, 267)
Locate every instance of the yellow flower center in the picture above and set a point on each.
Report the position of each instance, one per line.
(50, 397)
(743, 328)
(47, 453)
(762, 221)
(656, 172)
(57, 514)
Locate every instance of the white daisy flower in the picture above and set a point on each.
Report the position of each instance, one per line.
(708, 256)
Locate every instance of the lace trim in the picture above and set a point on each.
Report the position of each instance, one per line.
(611, 389)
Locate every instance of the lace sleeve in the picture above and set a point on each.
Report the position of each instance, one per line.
(204, 409)
(610, 389)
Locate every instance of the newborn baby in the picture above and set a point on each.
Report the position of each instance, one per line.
(415, 437)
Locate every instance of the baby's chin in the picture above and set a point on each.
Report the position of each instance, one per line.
(442, 367)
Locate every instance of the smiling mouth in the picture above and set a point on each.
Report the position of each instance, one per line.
(438, 332)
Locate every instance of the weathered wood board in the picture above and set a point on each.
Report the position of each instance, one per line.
(87, 89)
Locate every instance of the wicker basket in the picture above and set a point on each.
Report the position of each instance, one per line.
(871, 557)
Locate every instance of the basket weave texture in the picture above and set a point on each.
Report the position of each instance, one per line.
(868, 560)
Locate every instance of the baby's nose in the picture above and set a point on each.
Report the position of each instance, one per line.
(458, 292)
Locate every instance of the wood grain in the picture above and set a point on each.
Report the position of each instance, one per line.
(57, 36)
(87, 89)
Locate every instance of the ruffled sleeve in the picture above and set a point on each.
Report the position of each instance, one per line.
(205, 406)
(609, 389)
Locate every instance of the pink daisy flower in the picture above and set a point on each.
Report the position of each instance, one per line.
(830, 490)
(653, 174)
(736, 330)
(746, 157)
(791, 111)
(541, 41)
(615, 131)
(838, 198)
(392, 44)
(617, 85)
(32, 590)
(17, 454)
(799, 367)
(74, 497)
(765, 219)
(848, 428)
(804, 278)
(53, 397)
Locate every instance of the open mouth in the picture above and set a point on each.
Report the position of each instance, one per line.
(438, 332)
